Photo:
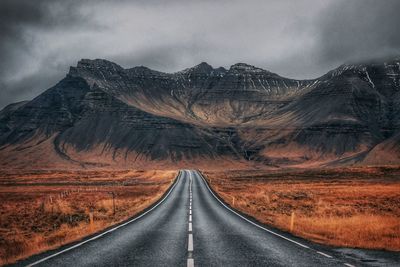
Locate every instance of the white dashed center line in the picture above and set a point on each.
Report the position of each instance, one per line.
(190, 243)
(190, 260)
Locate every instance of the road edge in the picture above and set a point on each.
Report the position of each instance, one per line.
(44, 255)
(301, 242)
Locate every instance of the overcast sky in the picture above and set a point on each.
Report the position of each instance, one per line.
(40, 39)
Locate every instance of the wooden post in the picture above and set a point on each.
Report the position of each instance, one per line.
(113, 200)
(292, 222)
(91, 218)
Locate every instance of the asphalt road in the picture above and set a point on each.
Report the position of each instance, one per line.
(192, 227)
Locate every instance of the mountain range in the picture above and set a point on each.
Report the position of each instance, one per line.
(104, 115)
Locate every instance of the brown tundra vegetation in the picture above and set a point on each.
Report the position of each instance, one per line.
(43, 210)
(353, 207)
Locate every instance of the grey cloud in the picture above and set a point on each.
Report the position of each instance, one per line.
(21, 23)
(40, 39)
(359, 30)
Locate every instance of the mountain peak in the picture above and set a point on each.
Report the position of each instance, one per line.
(97, 63)
(86, 67)
(243, 67)
(203, 65)
(202, 68)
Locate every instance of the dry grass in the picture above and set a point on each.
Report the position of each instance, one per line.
(43, 210)
(346, 207)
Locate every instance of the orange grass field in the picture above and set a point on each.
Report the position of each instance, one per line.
(42, 210)
(358, 207)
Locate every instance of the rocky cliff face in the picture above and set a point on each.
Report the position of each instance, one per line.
(350, 115)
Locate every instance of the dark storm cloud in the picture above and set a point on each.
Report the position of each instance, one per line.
(19, 19)
(40, 39)
(21, 23)
(359, 30)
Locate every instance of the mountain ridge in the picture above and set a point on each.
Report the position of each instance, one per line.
(243, 113)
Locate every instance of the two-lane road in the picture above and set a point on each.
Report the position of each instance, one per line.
(191, 227)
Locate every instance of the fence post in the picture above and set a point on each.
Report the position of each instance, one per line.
(91, 218)
(292, 221)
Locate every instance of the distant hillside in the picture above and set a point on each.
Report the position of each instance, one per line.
(101, 114)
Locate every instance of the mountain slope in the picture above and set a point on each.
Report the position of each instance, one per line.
(344, 116)
(103, 114)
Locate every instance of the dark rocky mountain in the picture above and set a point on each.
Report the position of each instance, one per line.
(103, 114)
